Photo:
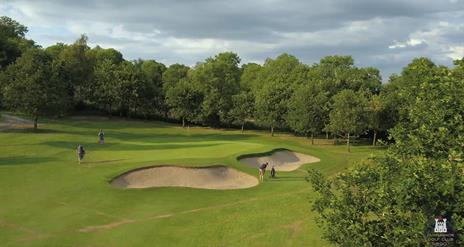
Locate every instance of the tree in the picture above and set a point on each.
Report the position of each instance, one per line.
(76, 69)
(30, 86)
(307, 110)
(173, 75)
(184, 101)
(219, 79)
(348, 114)
(401, 90)
(393, 200)
(152, 96)
(12, 41)
(99, 55)
(250, 77)
(106, 85)
(336, 73)
(380, 114)
(277, 79)
(243, 108)
(129, 83)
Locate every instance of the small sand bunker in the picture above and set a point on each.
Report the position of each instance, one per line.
(282, 160)
(216, 177)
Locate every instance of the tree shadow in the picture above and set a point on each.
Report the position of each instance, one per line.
(125, 146)
(37, 131)
(113, 123)
(286, 178)
(24, 160)
(162, 137)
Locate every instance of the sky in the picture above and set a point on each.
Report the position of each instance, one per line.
(384, 34)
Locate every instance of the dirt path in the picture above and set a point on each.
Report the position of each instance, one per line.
(8, 122)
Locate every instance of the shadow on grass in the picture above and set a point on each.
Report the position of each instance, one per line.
(162, 137)
(287, 178)
(125, 146)
(32, 131)
(104, 161)
(89, 122)
(24, 160)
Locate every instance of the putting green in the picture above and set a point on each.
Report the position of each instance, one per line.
(47, 199)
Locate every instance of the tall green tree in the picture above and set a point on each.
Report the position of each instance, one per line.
(12, 41)
(249, 78)
(349, 114)
(99, 55)
(32, 87)
(184, 101)
(105, 91)
(243, 108)
(401, 90)
(153, 95)
(278, 79)
(76, 69)
(173, 74)
(219, 78)
(336, 73)
(307, 110)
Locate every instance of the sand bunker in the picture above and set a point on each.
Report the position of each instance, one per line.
(282, 160)
(216, 177)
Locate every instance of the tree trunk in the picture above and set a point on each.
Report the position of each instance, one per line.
(183, 122)
(36, 119)
(348, 142)
(243, 124)
(312, 138)
(272, 130)
(327, 135)
(335, 139)
(375, 138)
(109, 110)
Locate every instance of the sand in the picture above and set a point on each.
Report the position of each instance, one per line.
(283, 160)
(216, 177)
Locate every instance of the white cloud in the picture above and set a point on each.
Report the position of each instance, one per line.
(456, 52)
(409, 43)
(437, 41)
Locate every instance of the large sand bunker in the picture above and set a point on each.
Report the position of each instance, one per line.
(215, 177)
(282, 160)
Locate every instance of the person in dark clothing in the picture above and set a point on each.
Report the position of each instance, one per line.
(273, 172)
(262, 170)
(80, 153)
(101, 136)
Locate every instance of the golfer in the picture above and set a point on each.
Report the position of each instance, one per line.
(101, 137)
(262, 170)
(80, 153)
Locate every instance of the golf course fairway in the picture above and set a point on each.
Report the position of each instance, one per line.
(48, 199)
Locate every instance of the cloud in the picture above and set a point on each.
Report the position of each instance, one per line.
(385, 34)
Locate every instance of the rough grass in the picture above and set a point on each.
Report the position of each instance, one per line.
(47, 199)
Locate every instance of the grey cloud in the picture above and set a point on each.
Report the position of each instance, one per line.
(189, 31)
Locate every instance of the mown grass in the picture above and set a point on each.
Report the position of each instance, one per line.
(47, 199)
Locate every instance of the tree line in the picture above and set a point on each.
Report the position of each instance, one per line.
(332, 97)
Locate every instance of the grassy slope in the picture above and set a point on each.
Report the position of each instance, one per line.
(46, 199)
